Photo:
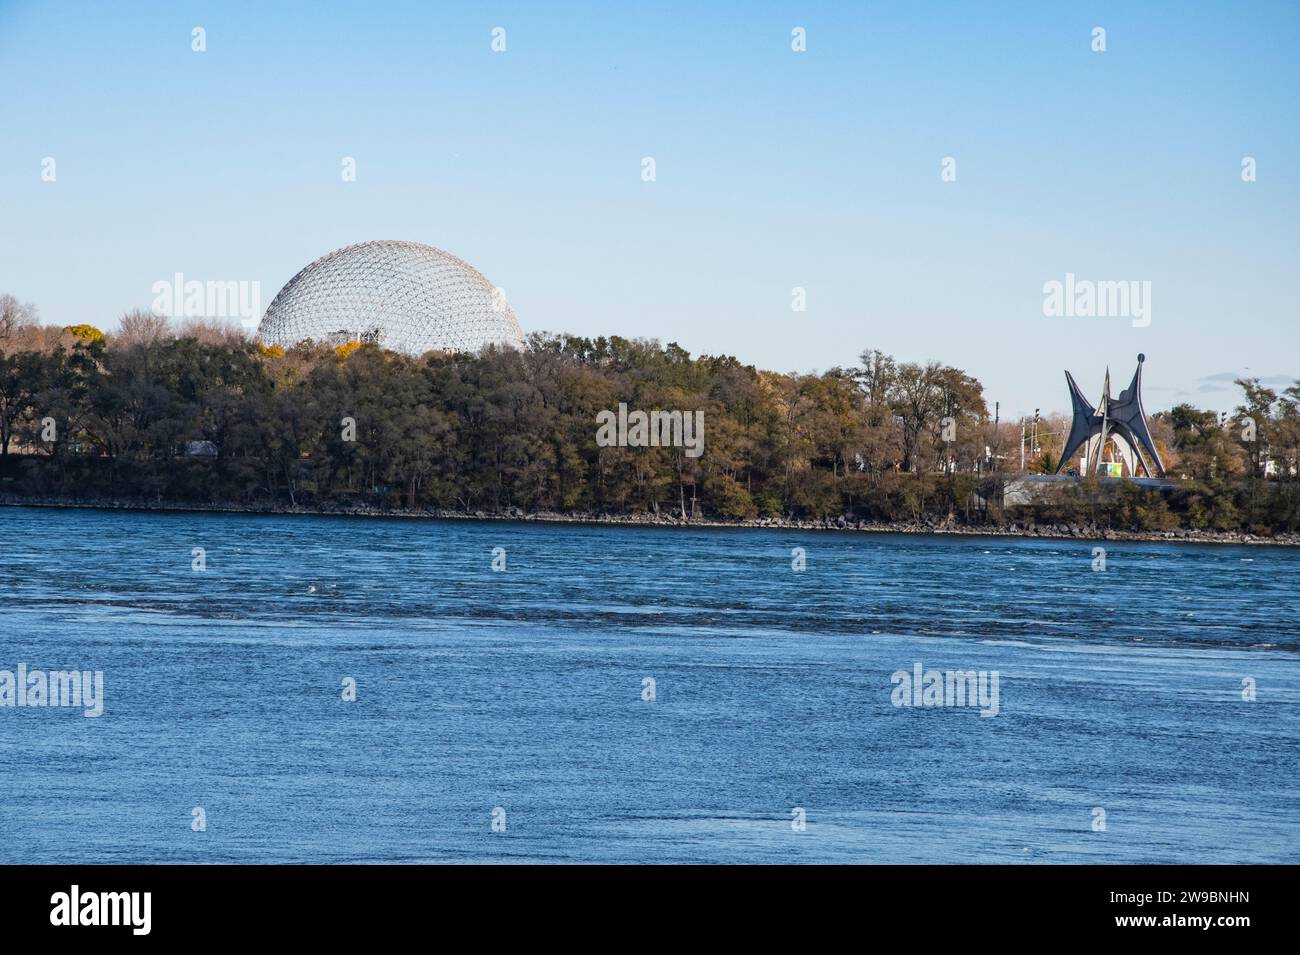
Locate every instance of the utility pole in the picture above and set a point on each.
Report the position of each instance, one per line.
(991, 458)
(992, 447)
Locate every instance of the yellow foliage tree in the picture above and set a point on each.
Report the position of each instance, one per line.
(87, 332)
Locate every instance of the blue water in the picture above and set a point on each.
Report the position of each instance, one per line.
(522, 689)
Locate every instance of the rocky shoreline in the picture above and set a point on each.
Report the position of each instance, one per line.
(931, 526)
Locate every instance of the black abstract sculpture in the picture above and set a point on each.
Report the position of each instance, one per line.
(1121, 419)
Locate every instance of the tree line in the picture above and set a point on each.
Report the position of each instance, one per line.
(201, 414)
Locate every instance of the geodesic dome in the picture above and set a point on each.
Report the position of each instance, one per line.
(401, 295)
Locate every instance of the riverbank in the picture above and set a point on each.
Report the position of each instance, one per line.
(1013, 529)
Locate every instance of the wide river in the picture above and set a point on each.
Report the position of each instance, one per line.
(638, 695)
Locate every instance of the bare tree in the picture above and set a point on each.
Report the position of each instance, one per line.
(14, 315)
(139, 327)
(212, 332)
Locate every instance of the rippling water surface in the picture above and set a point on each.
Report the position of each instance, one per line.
(523, 690)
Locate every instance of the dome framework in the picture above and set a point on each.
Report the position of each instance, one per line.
(404, 296)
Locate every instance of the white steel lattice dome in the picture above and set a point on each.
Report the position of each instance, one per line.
(401, 295)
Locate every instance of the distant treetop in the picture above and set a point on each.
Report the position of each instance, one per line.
(87, 332)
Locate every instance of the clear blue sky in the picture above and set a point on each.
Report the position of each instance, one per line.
(775, 169)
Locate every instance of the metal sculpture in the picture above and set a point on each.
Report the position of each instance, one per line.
(1121, 420)
(404, 296)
